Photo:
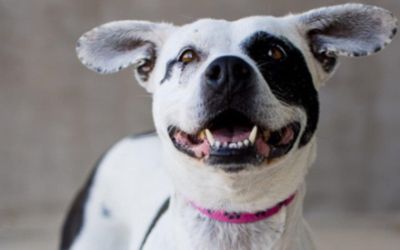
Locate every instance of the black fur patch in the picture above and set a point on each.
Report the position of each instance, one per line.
(73, 222)
(168, 70)
(176, 61)
(164, 207)
(289, 79)
(105, 211)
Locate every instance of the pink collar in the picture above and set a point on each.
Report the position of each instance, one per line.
(240, 217)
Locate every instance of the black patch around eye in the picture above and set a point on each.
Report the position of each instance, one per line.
(289, 80)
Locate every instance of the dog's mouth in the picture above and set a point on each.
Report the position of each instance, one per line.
(231, 138)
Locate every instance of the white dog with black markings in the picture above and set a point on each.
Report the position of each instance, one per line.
(235, 105)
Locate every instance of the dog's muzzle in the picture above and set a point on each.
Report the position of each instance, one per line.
(229, 136)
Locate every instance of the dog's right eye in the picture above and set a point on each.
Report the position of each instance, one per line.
(277, 53)
(188, 56)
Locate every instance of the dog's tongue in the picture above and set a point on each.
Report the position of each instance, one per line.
(232, 134)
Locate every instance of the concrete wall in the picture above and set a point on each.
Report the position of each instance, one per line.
(57, 117)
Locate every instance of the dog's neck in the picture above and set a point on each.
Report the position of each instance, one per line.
(254, 189)
(248, 191)
(196, 231)
(242, 217)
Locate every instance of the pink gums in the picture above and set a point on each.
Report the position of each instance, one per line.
(200, 150)
(287, 136)
(262, 147)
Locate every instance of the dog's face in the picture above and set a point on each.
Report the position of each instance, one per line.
(235, 94)
(242, 95)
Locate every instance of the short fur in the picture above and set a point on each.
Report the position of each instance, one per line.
(137, 175)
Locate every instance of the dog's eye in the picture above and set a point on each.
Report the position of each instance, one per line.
(277, 53)
(188, 56)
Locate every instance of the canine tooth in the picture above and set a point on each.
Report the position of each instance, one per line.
(232, 145)
(240, 144)
(202, 135)
(210, 137)
(246, 142)
(253, 134)
(217, 144)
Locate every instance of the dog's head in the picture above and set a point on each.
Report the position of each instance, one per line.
(242, 95)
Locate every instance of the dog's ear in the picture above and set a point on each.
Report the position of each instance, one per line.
(117, 45)
(346, 30)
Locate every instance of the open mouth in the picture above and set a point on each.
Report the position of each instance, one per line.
(232, 138)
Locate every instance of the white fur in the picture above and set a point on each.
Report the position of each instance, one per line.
(131, 184)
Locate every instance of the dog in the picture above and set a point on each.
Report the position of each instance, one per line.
(235, 106)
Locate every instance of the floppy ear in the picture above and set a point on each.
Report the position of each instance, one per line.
(346, 30)
(117, 45)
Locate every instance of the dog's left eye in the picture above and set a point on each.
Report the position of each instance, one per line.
(188, 56)
(277, 53)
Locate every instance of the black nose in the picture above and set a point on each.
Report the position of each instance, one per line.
(228, 74)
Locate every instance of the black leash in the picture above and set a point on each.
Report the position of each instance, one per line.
(156, 218)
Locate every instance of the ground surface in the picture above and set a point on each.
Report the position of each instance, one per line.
(39, 231)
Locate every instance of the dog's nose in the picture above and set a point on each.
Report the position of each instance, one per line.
(228, 74)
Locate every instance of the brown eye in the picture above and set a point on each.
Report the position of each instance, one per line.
(188, 56)
(277, 53)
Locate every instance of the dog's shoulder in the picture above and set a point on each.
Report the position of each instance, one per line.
(126, 187)
(131, 157)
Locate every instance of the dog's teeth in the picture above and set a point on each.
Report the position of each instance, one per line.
(240, 144)
(232, 145)
(202, 135)
(253, 135)
(217, 144)
(225, 145)
(246, 142)
(210, 137)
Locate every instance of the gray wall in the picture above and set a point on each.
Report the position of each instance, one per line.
(57, 117)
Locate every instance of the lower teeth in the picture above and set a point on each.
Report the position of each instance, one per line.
(232, 145)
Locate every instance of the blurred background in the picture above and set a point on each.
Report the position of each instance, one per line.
(57, 118)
